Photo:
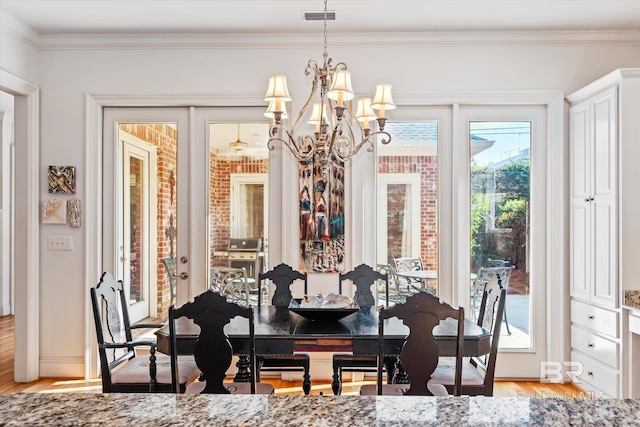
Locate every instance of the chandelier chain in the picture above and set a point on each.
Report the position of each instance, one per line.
(325, 55)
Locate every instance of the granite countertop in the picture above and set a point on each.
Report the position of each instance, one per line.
(133, 410)
(631, 300)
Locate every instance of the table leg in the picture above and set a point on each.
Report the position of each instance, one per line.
(244, 374)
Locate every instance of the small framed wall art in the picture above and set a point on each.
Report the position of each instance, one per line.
(62, 179)
(54, 211)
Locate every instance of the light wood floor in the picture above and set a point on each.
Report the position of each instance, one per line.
(53, 385)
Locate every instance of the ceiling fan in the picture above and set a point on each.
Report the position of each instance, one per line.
(238, 146)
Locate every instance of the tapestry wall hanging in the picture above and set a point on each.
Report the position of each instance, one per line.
(321, 216)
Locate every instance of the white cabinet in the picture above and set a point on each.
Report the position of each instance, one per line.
(604, 131)
(593, 194)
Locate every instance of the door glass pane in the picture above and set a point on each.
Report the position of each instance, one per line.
(407, 197)
(238, 193)
(136, 228)
(149, 200)
(500, 205)
(249, 220)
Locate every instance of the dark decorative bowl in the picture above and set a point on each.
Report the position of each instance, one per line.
(321, 314)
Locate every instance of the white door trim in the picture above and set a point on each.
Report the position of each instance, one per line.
(26, 256)
(94, 105)
(248, 178)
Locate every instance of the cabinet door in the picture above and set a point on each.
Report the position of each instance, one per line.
(580, 192)
(604, 285)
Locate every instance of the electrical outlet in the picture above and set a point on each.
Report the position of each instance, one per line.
(60, 243)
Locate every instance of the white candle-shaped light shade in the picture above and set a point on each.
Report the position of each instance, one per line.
(278, 92)
(271, 109)
(383, 100)
(364, 112)
(341, 89)
(317, 114)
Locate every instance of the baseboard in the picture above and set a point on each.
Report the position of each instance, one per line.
(62, 367)
(5, 310)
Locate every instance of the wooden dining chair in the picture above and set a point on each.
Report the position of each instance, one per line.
(364, 278)
(213, 351)
(128, 365)
(283, 277)
(478, 372)
(419, 354)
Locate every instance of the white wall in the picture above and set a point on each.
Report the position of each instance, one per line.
(417, 69)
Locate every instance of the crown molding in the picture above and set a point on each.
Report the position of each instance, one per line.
(219, 100)
(602, 83)
(26, 33)
(296, 40)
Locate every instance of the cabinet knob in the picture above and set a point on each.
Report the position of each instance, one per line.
(590, 373)
(586, 200)
(590, 345)
(591, 317)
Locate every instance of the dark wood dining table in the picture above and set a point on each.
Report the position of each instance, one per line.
(281, 331)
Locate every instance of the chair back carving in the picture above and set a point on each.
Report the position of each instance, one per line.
(282, 277)
(419, 355)
(213, 351)
(231, 282)
(497, 263)
(484, 277)
(408, 264)
(363, 276)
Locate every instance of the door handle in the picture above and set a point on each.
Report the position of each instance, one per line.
(184, 275)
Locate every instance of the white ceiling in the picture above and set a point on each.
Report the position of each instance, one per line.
(56, 17)
(258, 16)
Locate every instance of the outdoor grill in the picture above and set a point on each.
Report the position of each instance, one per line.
(246, 253)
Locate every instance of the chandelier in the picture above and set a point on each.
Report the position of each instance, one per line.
(339, 134)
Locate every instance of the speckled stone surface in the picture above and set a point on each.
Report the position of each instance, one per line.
(632, 299)
(133, 410)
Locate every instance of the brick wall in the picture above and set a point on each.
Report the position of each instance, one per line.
(427, 167)
(220, 170)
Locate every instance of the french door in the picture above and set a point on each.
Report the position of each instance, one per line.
(481, 190)
(168, 203)
(504, 162)
(138, 233)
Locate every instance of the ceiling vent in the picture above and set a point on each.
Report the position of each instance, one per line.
(318, 16)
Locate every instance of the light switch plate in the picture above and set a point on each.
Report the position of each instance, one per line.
(60, 243)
